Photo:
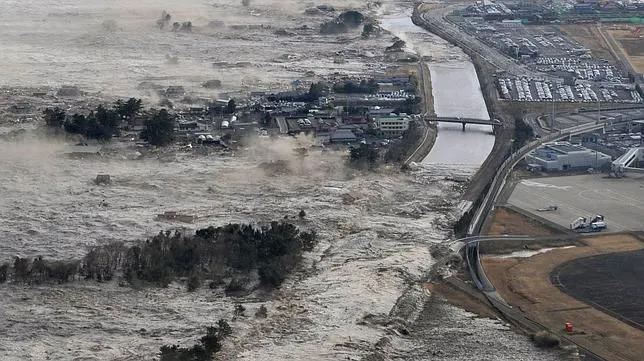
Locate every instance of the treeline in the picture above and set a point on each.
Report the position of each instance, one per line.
(231, 254)
(102, 123)
(351, 87)
(105, 122)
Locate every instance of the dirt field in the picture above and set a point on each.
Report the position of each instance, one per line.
(589, 36)
(631, 46)
(507, 221)
(603, 281)
(525, 284)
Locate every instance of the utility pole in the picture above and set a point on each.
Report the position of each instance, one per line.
(598, 120)
(552, 126)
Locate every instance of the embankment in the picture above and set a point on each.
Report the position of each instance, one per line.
(425, 136)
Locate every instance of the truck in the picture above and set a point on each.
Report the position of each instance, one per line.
(583, 224)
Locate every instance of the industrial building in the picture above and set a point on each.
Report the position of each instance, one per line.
(564, 156)
(391, 126)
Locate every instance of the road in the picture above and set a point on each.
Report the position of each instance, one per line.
(585, 116)
(514, 316)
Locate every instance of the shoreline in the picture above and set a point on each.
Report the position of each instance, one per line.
(430, 130)
(480, 181)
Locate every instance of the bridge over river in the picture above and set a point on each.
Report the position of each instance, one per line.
(493, 122)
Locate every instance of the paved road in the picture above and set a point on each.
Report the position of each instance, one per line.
(568, 120)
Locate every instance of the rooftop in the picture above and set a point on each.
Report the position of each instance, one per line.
(564, 147)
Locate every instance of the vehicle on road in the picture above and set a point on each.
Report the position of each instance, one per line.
(583, 224)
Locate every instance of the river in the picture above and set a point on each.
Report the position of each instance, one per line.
(456, 92)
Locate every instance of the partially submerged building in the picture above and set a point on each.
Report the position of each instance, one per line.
(564, 156)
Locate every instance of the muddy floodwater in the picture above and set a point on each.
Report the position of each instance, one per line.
(376, 232)
(116, 47)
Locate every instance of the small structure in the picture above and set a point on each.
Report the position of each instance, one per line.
(103, 179)
(174, 216)
(343, 136)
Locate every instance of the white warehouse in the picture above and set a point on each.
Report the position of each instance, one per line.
(563, 156)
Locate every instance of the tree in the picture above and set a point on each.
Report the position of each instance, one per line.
(262, 312)
(4, 272)
(21, 269)
(267, 119)
(231, 106)
(239, 310)
(54, 118)
(194, 282)
(365, 154)
(128, 109)
(367, 30)
(317, 90)
(107, 123)
(302, 214)
(208, 345)
(159, 128)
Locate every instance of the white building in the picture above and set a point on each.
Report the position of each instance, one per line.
(391, 126)
(563, 156)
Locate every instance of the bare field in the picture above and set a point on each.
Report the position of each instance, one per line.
(525, 283)
(633, 47)
(506, 221)
(589, 36)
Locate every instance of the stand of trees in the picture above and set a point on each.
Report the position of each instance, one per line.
(364, 87)
(100, 124)
(233, 251)
(159, 128)
(523, 133)
(364, 156)
(399, 150)
(105, 122)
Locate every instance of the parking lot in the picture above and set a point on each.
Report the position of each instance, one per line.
(620, 201)
(538, 90)
(581, 67)
(571, 72)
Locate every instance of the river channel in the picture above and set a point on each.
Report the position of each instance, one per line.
(456, 92)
